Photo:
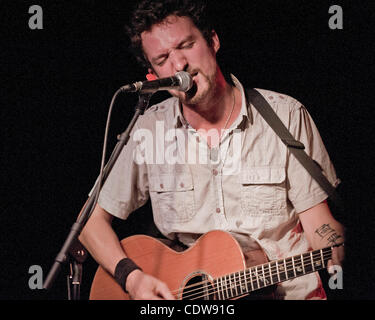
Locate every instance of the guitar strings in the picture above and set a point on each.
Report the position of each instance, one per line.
(206, 288)
(214, 290)
(227, 287)
(262, 275)
(273, 268)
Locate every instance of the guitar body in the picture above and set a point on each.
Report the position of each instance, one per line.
(214, 254)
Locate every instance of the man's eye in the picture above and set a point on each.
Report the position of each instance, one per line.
(188, 45)
(160, 62)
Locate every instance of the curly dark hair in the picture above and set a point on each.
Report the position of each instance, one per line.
(150, 12)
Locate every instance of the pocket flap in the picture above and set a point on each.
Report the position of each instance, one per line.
(169, 182)
(263, 175)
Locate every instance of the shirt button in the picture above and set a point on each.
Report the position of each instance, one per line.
(215, 172)
(218, 210)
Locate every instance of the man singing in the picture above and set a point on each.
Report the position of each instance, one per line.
(270, 201)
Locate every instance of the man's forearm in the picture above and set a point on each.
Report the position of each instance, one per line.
(101, 241)
(321, 229)
(329, 234)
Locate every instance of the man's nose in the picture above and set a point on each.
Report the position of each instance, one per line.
(179, 61)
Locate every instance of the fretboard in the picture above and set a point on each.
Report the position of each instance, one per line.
(264, 275)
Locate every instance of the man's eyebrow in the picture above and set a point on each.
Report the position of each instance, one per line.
(180, 44)
(187, 39)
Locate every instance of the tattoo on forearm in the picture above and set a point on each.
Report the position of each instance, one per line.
(326, 230)
(333, 238)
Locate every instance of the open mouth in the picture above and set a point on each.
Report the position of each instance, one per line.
(193, 90)
(194, 74)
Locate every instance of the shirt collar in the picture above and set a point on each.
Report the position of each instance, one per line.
(179, 120)
(245, 115)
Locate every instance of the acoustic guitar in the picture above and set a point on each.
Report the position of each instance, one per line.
(212, 269)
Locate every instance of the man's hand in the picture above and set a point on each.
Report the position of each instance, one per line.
(142, 286)
(338, 255)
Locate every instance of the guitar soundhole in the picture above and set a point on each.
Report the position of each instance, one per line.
(198, 288)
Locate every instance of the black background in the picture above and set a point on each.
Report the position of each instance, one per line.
(57, 83)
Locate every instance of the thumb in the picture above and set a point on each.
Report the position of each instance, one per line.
(162, 290)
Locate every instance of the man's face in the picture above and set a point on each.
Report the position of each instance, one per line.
(176, 45)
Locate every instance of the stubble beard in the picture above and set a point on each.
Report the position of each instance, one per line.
(200, 94)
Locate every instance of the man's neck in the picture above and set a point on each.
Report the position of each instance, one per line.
(216, 111)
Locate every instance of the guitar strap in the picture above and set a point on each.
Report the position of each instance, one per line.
(294, 146)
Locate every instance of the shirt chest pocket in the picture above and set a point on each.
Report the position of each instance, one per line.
(263, 191)
(172, 196)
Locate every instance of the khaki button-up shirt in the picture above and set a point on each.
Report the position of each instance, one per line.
(249, 185)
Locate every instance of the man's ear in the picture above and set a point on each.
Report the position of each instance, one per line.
(215, 41)
(151, 75)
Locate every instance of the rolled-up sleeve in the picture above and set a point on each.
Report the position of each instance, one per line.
(304, 192)
(126, 187)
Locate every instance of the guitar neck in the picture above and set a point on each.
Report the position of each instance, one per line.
(264, 275)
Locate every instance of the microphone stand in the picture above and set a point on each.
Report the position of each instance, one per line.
(78, 255)
(72, 238)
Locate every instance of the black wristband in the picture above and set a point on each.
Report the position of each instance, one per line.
(122, 270)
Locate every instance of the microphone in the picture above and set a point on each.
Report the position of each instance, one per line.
(181, 81)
